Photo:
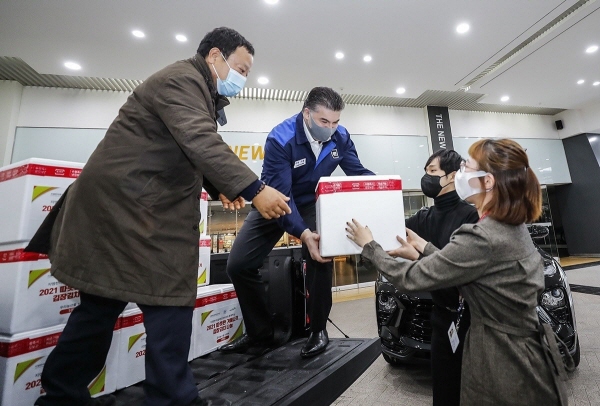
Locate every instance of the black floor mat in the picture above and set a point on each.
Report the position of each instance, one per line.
(277, 377)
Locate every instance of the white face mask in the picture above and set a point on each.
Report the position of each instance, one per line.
(462, 185)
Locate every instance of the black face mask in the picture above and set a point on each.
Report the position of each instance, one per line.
(430, 185)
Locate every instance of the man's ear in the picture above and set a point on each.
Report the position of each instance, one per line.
(451, 176)
(213, 55)
(305, 113)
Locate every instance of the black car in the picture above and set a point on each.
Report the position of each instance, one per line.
(404, 325)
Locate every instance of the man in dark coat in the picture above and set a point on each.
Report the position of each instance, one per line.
(437, 224)
(128, 228)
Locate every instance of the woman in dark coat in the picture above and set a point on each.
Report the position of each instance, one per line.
(498, 272)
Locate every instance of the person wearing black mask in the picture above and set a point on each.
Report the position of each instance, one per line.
(436, 224)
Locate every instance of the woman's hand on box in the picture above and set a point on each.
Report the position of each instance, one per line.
(359, 234)
(411, 248)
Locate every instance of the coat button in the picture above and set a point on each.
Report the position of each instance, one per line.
(195, 227)
(198, 196)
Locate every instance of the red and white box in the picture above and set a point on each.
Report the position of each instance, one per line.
(204, 245)
(374, 201)
(132, 349)
(217, 319)
(31, 298)
(22, 358)
(29, 190)
(203, 212)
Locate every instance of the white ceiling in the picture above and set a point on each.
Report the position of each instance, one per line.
(413, 43)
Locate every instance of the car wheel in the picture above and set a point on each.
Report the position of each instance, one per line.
(577, 354)
(391, 360)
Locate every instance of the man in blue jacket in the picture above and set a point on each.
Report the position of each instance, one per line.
(298, 152)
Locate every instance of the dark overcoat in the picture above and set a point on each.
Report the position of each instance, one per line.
(128, 229)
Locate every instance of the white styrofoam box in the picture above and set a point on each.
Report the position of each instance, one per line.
(22, 358)
(132, 349)
(204, 244)
(31, 298)
(217, 319)
(203, 212)
(202, 294)
(374, 201)
(28, 190)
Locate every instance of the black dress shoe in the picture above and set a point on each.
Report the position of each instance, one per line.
(244, 342)
(316, 344)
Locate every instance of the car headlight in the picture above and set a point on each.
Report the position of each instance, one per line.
(554, 298)
(386, 303)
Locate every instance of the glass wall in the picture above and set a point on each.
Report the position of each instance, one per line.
(224, 225)
(549, 243)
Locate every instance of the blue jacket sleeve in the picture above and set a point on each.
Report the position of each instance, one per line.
(351, 165)
(277, 173)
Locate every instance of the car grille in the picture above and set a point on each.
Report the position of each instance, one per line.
(416, 322)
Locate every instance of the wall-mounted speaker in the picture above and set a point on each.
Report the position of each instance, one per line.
(559, 124)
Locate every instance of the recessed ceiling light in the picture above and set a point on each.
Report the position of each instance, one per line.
(462, 28)
(504, 98)
(596, 83)
(339, 55)
(181, 38)
(138, 33)
(72, 65)
(592, 49)
(580, 82)
(271, 1)
(401, 90)
(367, 58)
(263, 80)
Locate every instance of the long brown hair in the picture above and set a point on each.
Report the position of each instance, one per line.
(517, 194)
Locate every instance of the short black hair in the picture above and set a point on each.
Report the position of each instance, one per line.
(324, 97)
(449, 160)
(226, 39)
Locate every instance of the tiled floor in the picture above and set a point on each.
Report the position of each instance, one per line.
(383, 384)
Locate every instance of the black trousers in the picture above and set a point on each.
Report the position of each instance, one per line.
(445, 365)
(83, 346)
(256, 239)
